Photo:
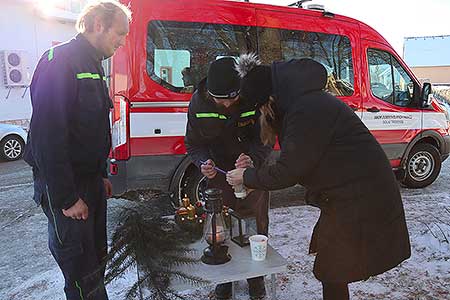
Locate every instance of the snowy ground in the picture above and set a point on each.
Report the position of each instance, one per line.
(27, 271)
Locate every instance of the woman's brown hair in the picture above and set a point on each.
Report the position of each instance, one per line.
(268, 122)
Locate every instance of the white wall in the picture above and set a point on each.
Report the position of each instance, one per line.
(22, 27)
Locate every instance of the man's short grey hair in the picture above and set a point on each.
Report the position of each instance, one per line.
(105, 9)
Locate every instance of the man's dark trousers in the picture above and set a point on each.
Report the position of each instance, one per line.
(80, 246)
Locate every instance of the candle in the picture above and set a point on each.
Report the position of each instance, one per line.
(191, 212)
(220, 235)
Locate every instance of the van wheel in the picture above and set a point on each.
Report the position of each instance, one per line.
(193, 185)
(422, 166)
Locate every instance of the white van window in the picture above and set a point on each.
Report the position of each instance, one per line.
(334, 52)
(388, 80)
(179, 53)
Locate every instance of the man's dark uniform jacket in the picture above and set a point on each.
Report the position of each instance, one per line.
(69, 134)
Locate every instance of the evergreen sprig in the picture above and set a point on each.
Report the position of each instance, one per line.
(156, 247)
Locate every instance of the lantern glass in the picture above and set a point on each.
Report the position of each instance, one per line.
(241, 228)
(221, 231)
(215, 230)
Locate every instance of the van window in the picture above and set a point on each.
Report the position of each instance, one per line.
(380, 70)
(179, 53)
(388, 80)
(403, 85)
(334, 52)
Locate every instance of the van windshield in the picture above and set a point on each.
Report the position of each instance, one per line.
(179, 53)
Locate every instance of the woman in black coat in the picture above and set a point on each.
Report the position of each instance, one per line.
(326, 148)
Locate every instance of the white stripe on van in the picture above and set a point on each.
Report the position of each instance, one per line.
(404, 120)
(174, 124)
(148, 124)
(434, 120)
(392, 120)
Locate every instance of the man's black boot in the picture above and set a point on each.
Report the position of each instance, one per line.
(223, 291)
(256, 288)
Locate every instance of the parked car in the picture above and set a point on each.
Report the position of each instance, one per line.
(12, 142)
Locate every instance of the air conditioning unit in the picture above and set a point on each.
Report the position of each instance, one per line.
(16, 70)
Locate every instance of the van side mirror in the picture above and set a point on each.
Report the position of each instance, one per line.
(425, 96)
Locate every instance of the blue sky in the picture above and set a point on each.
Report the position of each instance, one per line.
(395, 20)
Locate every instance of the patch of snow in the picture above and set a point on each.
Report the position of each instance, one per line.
(426, 275)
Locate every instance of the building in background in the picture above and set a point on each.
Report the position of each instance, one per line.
(429, 58)
(27, 29)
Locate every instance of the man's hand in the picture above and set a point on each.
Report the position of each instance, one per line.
(108, 187)
(77, 211)
(236, 177)
(244, 161)
(208, 170)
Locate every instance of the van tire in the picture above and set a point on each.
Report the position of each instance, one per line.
(422, 166)
(193, 184)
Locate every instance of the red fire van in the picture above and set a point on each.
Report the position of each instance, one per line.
(172, 42)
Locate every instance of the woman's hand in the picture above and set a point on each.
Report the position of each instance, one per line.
(244, 161)
(236, 176)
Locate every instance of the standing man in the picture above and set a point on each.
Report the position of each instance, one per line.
(223, 131)
(69, 142)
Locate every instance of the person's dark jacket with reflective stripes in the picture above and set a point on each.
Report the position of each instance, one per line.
(222, 136)
(69, 134)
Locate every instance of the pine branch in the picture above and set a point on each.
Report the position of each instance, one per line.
(156, 246)
(176, 260)
(192, 280)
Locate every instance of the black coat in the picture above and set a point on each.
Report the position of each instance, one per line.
(326, 148)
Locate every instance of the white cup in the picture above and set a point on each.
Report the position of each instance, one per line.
(258, 247)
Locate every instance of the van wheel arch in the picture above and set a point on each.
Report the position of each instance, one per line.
(430, 137)
(421, 164)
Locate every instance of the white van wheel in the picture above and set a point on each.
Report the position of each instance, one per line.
(422, 166)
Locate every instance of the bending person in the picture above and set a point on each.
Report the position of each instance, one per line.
(326, 148)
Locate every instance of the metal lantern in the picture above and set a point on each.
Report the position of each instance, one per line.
(215, 232)
(241, 228)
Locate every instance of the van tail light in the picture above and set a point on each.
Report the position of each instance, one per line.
(113, 167)
(120, 130)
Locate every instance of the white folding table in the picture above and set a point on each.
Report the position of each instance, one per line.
(240, 267)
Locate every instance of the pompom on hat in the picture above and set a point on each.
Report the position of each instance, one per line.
(256, 79)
